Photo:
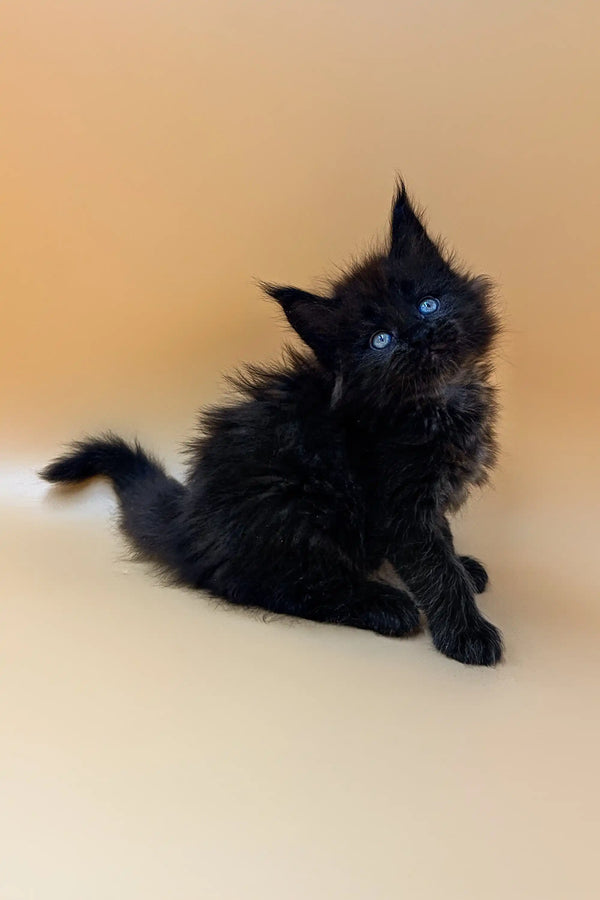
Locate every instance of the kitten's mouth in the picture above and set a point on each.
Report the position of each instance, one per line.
(434, 348)
(426, 351)
(430, 362)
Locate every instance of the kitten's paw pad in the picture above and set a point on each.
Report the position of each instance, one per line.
(388, 611)
(477, 644)
(476, 572)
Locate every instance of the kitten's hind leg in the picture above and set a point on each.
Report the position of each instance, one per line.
(339, 599)
(384, 609)
(298, 550)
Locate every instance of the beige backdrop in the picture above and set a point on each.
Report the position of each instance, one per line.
(156, 159)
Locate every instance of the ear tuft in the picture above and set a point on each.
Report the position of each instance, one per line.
(407, 229)
(401, 194)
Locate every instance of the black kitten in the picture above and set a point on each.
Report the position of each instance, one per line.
(338, 460)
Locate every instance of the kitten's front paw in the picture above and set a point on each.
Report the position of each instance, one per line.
(476, 572)
(476, 643)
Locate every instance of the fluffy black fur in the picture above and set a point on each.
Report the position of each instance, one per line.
(339, 459)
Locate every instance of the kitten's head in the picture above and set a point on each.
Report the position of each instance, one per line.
(402, 322)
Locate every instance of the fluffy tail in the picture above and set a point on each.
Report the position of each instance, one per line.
(151, 502)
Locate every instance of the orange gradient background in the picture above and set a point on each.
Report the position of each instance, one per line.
(157, 159)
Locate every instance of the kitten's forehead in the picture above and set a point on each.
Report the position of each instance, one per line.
(413, 272)
(385, 282)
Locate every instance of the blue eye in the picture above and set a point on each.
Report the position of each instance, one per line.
(380, 340)
(428, 305)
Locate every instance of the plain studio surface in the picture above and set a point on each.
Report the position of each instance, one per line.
(156, 159)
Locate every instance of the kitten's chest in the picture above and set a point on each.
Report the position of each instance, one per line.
(459, 441)
(435, 449)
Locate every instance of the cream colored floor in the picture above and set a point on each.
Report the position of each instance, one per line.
(157, 746)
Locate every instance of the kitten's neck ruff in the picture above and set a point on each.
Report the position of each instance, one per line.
(346, 396)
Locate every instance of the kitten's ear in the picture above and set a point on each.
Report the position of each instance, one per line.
(313, 318)
(407, 230)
